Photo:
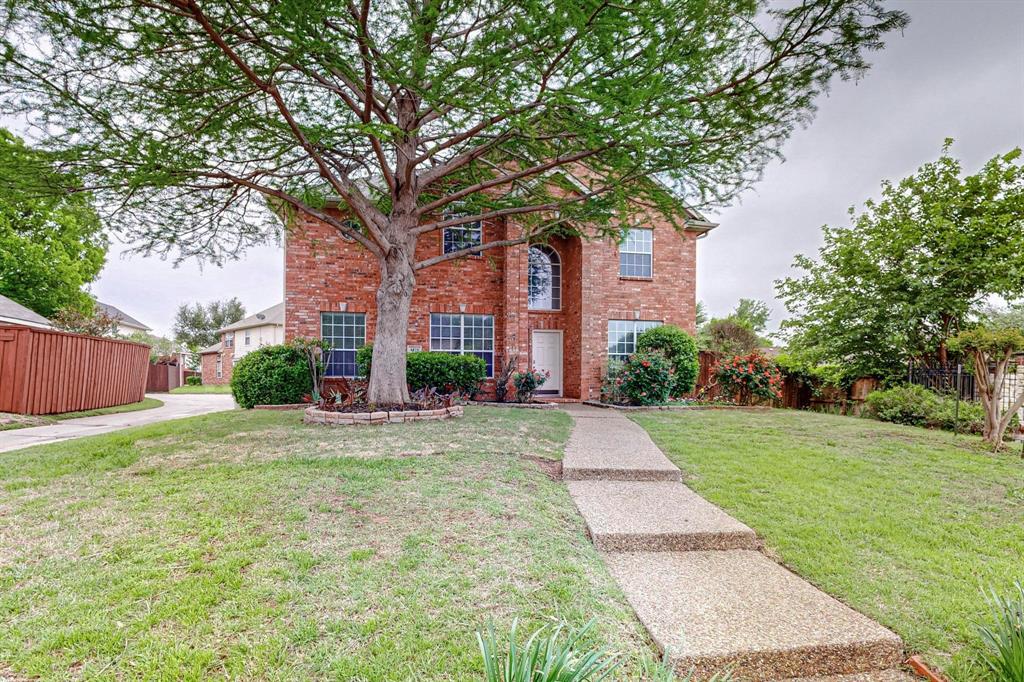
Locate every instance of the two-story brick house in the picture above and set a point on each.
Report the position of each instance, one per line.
(564, 307)
(265, 328)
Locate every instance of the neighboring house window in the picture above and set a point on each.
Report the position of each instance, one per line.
(248, 337)
(346, 333)
(635, 259)
(229, 339)
(544, 279)
(622, 336)
(464, 335)
(220, 366)
(460, 237)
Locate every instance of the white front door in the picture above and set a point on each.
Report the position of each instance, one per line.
(547, 357)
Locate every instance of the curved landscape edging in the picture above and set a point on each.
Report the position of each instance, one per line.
(315, 416)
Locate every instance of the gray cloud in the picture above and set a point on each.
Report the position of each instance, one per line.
(958, 71)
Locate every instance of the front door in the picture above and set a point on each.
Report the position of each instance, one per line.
(547, 357)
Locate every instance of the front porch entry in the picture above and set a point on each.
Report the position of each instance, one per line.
(546, 351)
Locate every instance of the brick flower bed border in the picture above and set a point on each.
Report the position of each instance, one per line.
(315, 416)
(533, 406)
(286, 406)
(654, 408)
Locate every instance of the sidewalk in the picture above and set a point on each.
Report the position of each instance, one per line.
(707, 596)
(174, 407)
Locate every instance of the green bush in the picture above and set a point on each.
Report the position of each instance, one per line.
(915, 405)
(681, 350)
(527, 383)
(194, 380)
(1003, 636)
(431, 369)
(647, 378)
(272, 375)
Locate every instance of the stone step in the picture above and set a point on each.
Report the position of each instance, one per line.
(736, 609)
(655, 517)
(614, 449)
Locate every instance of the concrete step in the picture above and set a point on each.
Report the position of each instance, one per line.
(615, 449)
(738, 610)
(656, 516)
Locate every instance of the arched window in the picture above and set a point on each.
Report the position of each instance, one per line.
(544, 279)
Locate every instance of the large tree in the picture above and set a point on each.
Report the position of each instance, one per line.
(196, 325)
(419, 114)
(902, 279)
(52, 242)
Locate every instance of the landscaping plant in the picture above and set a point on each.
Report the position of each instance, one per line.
(1003, 636)
(272, 375)
(611, 386)
(681, 350)
(194, 380)
(527, 383)
(314, 351)
(446, 372)
(749, 379)
(993, 347)
(503, 378)
(647, 378)
(546, 656)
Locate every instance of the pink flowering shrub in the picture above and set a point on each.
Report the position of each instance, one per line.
(646, 378)
(750, 378)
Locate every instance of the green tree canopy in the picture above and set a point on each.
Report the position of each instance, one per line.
(52, 243)
(415, 116)
(904, 276)
(197, 325)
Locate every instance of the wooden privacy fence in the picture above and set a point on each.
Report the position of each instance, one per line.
(49, 372)
(162, 377)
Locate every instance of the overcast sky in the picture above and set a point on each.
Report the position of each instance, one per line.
(957, 71)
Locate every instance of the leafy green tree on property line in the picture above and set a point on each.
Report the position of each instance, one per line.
(902, 279)
(94, 322)
(196, 325)
(417, 116)
(52, 243)
(740, 332)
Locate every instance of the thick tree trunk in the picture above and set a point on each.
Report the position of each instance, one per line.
(394, 298)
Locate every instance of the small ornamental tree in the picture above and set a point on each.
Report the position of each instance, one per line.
(750, 378)
(568, 117)
(993, 347)
(680, 349)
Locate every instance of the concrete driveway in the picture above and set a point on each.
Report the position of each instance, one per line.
(174, 407)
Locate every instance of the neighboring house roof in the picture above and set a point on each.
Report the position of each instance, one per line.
(272, 315)
(215, 348)
(12, 312)
(123, 318)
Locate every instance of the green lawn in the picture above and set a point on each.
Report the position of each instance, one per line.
(206, 388)
(42, 420)
(904, 524)
(246, 545)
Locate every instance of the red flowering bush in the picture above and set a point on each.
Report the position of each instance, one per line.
(750, 378)
(646, 378)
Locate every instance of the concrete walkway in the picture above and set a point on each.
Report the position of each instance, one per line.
(695, 576)
(175, 407)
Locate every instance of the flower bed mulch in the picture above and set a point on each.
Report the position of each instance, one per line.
(380, 415)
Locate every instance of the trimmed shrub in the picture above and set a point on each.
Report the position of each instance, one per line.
(194, 380)
(750, 378)
(681, 350)
(272, 375)
(647, 378)
(445, 372)
(430, 369)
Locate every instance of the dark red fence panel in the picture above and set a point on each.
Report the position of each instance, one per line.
(49, 372)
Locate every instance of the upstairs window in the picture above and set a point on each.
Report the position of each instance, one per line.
(635, 254)
(248, 337)
(229, 339)
(622, 336)
(345, 333)
(464, 335)
(544, 279)
(465, 236)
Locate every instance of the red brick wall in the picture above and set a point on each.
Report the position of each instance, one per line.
(323, 272)
(669, 296)
(208, 366)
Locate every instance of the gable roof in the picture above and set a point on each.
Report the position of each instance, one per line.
(119, 315)
(12, 311)
(215, 348)
(272, 315)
